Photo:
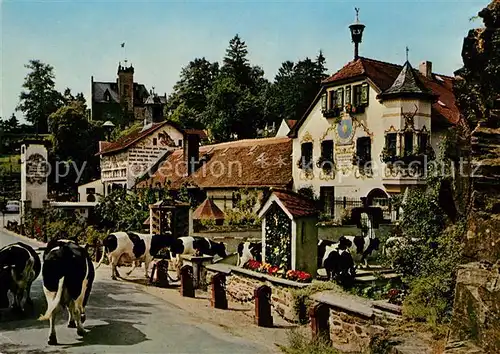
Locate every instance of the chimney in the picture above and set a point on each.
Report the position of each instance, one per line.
(191, 152)
(425, 68)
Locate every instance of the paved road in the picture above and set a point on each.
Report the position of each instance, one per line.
(120, 319)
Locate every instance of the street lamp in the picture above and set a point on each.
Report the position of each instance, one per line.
(108, 127)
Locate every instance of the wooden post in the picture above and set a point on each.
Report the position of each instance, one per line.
(187, 286)
(319, 315)
(263, 315)
(219, 299)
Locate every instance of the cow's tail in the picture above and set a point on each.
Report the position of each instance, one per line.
(102, 257)
(52, 305)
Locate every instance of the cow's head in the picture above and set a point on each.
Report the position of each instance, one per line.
(256, 250)
(219, 249)
(344, 243)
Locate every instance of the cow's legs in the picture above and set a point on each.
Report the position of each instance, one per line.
(71, 318)
(134, 265)
(52, 334)
(146, 267)
(76, 312)
(114, 271)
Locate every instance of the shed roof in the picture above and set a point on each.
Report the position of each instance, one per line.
(208, 210)
(296, 205)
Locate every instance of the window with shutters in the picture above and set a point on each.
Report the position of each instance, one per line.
(305, 162)
(333, 99)
(360, 96)
(348, 95)
(324, 103)
(340, 97)
(325, 161)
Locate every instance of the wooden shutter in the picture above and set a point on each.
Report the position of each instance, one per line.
(364, 94)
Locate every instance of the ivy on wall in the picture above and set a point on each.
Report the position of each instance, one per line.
(278, 238)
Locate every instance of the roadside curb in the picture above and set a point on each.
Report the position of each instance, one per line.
(24, 238)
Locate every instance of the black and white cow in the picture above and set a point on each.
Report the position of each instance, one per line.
(362, 247)
(124, 247)
(197, 246)
(336, 259)
(19, 267)
(249, 251)
(68, 275)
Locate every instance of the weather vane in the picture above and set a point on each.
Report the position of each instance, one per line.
(357, 13)
(407, 51)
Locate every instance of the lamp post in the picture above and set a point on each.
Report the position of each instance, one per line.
(108, 127)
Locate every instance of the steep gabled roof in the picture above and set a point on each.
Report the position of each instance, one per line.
(407, 84)
(295, 204)
(130, 139)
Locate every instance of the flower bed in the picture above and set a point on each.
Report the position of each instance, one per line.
(266, 268)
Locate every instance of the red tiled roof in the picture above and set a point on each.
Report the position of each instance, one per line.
(243, 163)
(208, 210)
(296, 204)
(136, 135)
(129, 139)
(383, 74)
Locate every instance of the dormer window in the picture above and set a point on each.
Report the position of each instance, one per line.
(340, 97)
(348, 95)
(361, 94)
(333, 99)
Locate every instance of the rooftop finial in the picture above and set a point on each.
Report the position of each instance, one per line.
(407, 51)
(356, 33)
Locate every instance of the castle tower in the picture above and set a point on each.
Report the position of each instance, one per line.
(126, 86)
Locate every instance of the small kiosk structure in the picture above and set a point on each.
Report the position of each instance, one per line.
(169, 216)
(289, 231)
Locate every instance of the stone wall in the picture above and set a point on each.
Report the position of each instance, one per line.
(242, 283)
(476, 313)
(355, 322)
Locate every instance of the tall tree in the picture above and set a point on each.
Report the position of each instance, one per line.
(295, 87)
(75, 140)
(236, 103)
(40, 97)
(189, 98)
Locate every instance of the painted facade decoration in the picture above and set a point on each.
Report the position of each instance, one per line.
(124, 161)
(349, 141)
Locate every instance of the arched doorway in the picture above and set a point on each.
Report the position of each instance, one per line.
(375, 194)
(379, 198)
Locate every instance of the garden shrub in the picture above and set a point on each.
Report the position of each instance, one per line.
(299, 343)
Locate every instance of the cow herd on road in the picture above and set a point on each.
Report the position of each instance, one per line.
(68, 272)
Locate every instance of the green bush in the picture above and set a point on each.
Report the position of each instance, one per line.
(299, 343)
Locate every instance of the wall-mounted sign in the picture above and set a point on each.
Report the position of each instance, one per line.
(36, 169)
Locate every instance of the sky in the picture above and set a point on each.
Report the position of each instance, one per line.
(81, 39)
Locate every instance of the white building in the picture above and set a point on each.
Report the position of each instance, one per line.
(91, 191)
(366, 117)
(123, 161)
